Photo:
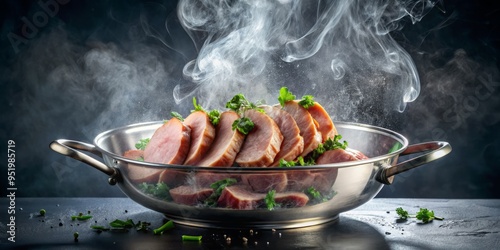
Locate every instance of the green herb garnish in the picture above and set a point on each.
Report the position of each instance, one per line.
(122, 224)
(159, 190)
(270, 201)
(237, 102)
(42, 212)
(100, 228)
(425, 215)
(285, 96)
(307, 101)
(403, 214)
(329, 144)
(177, 115)
(75, 236)
(218, 186)
(81, 217)
(191, 237)
(164, 227)
(299, 162)
(213, 115)
(243, 124)
(395, 147)
(141, 144)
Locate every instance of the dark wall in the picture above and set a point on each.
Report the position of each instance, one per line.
(54, 85)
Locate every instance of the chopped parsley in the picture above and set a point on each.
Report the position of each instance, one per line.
(269, 200)
(213, 115)
(285, 96)
(177, 115)
(329, 144)
(159, 190)
(218, 186)
(141, 144)
(403, 214)
(307, 101)
(243, 124)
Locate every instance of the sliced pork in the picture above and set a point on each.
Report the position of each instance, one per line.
(263, 183)
(293, 143)
(291, 199)
(262, 143)
(172, 177)
(134, 154)
(241, 197)
(326, 127)
(202, 136)
(169, 144)
(306, 124)
(226, 145)
(189, 195)
(340, 155)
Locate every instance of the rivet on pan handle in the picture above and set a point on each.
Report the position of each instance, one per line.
(70, 148)
(437, 150)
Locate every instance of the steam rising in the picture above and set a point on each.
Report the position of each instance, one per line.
(339, 51)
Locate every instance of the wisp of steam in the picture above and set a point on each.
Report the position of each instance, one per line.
(339, 51)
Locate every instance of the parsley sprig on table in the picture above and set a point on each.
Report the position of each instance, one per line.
(424, 214)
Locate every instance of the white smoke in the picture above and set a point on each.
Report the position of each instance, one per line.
(339, 51)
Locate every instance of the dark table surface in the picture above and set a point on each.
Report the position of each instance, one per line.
(467, 224)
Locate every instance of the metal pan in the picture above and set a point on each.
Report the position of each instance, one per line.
(352, 183)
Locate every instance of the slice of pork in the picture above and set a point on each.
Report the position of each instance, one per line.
(263, 183)
(306, 124)
(326, 127)
(293, 143)
(134, 154)
(169, 144)
(340, 155)
(239, 197)
(189, 195)
(226, 145)
(291, 199)
(262, 143)
(202, 136)
(172, 177)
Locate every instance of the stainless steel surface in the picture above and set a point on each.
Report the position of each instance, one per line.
(355, 183)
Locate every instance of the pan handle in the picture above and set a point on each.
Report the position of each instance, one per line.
(71, 148)
(437, 150)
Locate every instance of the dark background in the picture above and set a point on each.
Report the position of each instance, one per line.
(47, 94)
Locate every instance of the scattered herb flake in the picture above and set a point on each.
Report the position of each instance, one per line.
(141, 144)
(164, 227)
(218, 186)
(42, 212)
(191, 237)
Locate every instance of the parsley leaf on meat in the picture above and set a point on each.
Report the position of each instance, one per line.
(213, 115)
(218, 186)
(243, 124)
(177, 115)
(307, 101)
(285, 96)
(141, 144)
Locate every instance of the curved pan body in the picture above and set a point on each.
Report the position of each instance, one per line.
(347, 184)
